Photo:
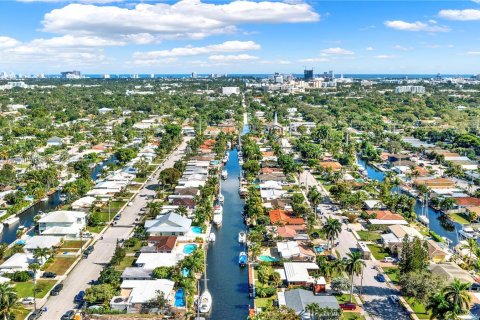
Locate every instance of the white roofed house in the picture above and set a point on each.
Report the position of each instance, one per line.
(67, 224)
(54, 142)
(17, 262)
(171, 224)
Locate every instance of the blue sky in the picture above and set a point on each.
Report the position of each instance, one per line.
(121, 36)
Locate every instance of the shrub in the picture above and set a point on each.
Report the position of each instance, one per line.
(20, 276)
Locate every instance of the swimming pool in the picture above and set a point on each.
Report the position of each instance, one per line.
(185, 272)
(179, 301)
(189, 248)
(197, 230)
(267, 259)
(319, 249)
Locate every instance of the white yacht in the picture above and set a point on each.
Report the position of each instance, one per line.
(1, 228)
(224, 174)
(212, 237)
(11, 220)
(221, 198)
(205, 300)
(217, 219)
(242, 237)
(240, 161)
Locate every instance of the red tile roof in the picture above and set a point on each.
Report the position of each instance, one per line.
(385, 215)
(280, 216)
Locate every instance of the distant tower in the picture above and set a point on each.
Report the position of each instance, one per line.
(308, 74)
(275, 121)
(194, 75)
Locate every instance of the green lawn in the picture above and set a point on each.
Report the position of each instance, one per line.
(126, 262)
(263, 302)
(393, 273)
(378, 252)
(60, 264)
(369, 235)
(140, 180)
(418, 308)
(25, 289)
(96, 229)
(352, 316)
(21, 313)
(342, 298)
(73, 244)
(459, 217)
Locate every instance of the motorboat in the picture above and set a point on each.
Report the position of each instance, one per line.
(424, 220)
(1, 228)
(45, 199)
(63, 197)
(240, 161)
(11, 220)
(221, 198)
(467, 233)
(224, 174)
(242, 259)
(242, 237)
(212, 237)
(218, 218)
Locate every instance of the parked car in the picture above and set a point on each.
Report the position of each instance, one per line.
(56, 290)
(117, 217)
(68, 315)
(35, 314)
(380, 277)
(87, 235)
(79, 297)
(348, 306)
(130, 204)
(49, 275)
(89, 249)
(28, 300)
(394, 298)
(389, 259)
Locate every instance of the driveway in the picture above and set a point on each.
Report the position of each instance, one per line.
(89, 269)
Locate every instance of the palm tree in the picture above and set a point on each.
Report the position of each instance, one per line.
(313, 309)
(354, 266)
(154, 208)
(457, 296)
(42, 254)
(438, 306)
(8, 300)
(315, 197)
(332, 229)
(34, 267)
(472, 247)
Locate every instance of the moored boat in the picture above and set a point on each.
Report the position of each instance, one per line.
(217, 219)
(224, 174)
(242, 237)
(11, 220)
(242, 259)
(212, 237)
(205, 299)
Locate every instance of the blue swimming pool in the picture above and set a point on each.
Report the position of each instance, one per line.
(179, 301)
(185, 272)
(189, 248)
(197, 230)
(319, 249)
(267, 259)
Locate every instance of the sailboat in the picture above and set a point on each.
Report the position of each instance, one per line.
(205, 300)
(198, 306)
(423, 217)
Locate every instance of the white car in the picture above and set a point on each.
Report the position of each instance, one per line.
(28, 300)
(394, 298)
(389, 259)
(130, 204)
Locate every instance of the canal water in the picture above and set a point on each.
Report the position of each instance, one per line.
(9, 233)
(228, 283)
(434, 223)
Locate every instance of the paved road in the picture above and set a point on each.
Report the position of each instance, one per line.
(89, 269)
(375, 294)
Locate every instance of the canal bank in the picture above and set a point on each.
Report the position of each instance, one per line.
(9, 234)
(227, 282)
(434, 223)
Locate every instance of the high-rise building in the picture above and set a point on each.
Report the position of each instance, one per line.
(410, 89)
(71, 74)
(194, 75)
(308, 74)
(478, 76)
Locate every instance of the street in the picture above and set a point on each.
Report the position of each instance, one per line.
(89, 269)
(375, 294)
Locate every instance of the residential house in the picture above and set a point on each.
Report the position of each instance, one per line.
(134, 294)
(385, 217)
(295, 250)
(280, 217)
(161, 244)
(54, 142)
(298, 299)
(300, 273)
(17, 262)
(67, 224)
(171, 224)
(136, 273)
(451, 271)
(435, 252)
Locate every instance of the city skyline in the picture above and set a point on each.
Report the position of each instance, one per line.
(108, 36)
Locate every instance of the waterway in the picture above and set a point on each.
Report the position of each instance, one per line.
(9, 233)
(434, 223)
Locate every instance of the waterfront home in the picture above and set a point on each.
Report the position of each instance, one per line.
(54, 142)
(136, 273)
(274, 176)
(271, 194)
(300, 273)
(134, 294)
(67, 224)
(435, 252)
(298, 299)
(280, 217)
(330, 165)
(162, 244)
(435, 183)
(397, 233)
(171, 224)
(292, 232)
(152, 260)
(83, 203)
(373, 204)
(17, 262)
(451, 271)
(295, 250)
(41, 242)
(385, 217)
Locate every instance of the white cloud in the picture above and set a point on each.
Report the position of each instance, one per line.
(79, 1)
(384, 56)
(227, 46)
(401, 48)
(184, 19)
(369, 48)
(336, 51)
(7, 42)
(231, 57)
(415, 26)
(462, 15)
(318, 59)
(473, 53)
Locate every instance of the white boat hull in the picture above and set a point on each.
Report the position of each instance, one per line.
(205, 303)
(212, 237)
(11, 220)
(217, 219)
(242, 237)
